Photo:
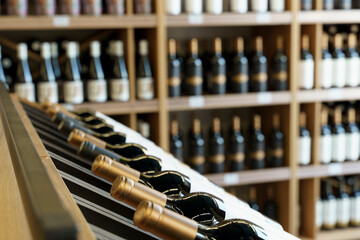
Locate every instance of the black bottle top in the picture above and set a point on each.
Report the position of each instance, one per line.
(174, 70)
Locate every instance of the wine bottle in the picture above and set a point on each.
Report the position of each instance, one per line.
(239, 69)
(339, 63)
(270, 207)
(93, 7)
(47, 87)
(176, 143)
(173, 7)
(24, 85)
(343, 204)
(204, 208)
(326, 141)
(344, 4)
(119, 82)
(326, 63)
(116, 7)
(96, 84)
(328, 4)
(59, 118)
(170, 183)
(174, 70)
(218, 70)
(143, 164)
(214, 6)
(236, 156)
(196, 147)
(306, 74)
(2, 74)
(216, 161)
(356, 4)
(259, 6)
(166, 224)
(17, 7)
(259, 76)
(145, 81)
(252, 199)
(319, 214)
(194, 72)
(72, 7)
(338, 136)
(329, 205)
(304, 142)
(355, 203)
(239, 6)
(193, 6)
(57, 70)
(144, 129)
(78, 61)
(352, 62)
(9, 69)
(47, 8)
(279, 76)
(277, 5)
(276, 144)
(256, 145)
(306, 5)
(143, 6)
(352, 137)
(73, 86)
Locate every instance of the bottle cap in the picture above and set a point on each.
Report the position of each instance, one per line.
(143, 47)
(325, 41)
(239, 44)
(45, 50)
(302, 119)
(172, 46)
(95, 49)
(257, 122)
(71, 50)
(236, 123)
(338, 43)
(118, 48)
(352, 40)
(351, 115)
(276, 120)
(259, 44)
(77, 137)
(22, 51)
(305, 42)
(338, 115)
(54, 50)
(194, 46)
(217, 45)
(280, 43)
(174, 127)
(196, 125)
(324, 117)
(216, 125)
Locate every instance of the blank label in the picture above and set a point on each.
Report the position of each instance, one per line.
(61, 21)
(335, 169)
(231, 178)
(335, 93)
(196, 101)
(264, 98)
(195, 19)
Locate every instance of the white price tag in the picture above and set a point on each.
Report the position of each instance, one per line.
(335, 169)
(195, 19)
(264, 98)
(335, 93)
(263, 17)
(231, 178)
(61, 21)
(196, 101)
(69, 107)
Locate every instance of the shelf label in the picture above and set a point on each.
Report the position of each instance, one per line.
(195, 18)
(264, 98)
(231, 178)
(69, 107)
(263, 17)
(196, 101)
(335, 169)
(335, 93)
(61, 21)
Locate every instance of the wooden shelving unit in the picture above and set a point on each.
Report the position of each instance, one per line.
(296, 184)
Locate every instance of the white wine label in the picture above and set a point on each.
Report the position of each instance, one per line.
(352, 71)
(173, 7)
(196, 101)
(304, 150)
(343, 211)
(61, 21)
(25, 90)
(335, 94)
(239, 6)
(355, 209)
(330, 210)
(119, 90)
(335, 169)
(306, 74)
(145, 88)
(326, 142)
(277, 5)
(264, 98)
(338, 147)
(214, 6)
(73, 92)
(259, 6)
(97, 90)
(319, 213)
(193, 7)
(48, 91)
(339, 72)
(326, 73)
(352, 146)
(231, 178)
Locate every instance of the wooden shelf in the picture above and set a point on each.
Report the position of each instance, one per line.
(250, 177)
(328, 95)
(229, 19)
(12, 23)
(328, 170)
(119, 108)
(229, 101)
(339, 234)
(329, 17)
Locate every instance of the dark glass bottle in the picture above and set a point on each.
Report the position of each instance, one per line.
(343, 204)
(329, 205)
(356, 4)
(353, 61)
(194, 72)
(143, 164)
(47, 87)
(196, 158)
(352, 136)
(218, 70)
(216, 161)
(270, 207)
(355, 200)
(176, 143)
(339, 63)
(236, 156)
(306, 80)
(326, 64)
(304, 142)
(153, 218)
(252, 199)
(325, 156)
(276, 144)
(170, 183)
(344, 4)
(328, 4)
(338, 137)
(144, 81)
(239, 69)
(306, 5)
(279, 67)
(256, 145)
(174, 70)
(57, 69)
(2, 74)
(204, 208)
(259, 76)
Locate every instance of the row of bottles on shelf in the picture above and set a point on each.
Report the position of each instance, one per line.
(339, 203)
(174, 7)
(229, 155)
(73, 7)
(71, 85)
(270, 208)
(307, 5)
(216, 72)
